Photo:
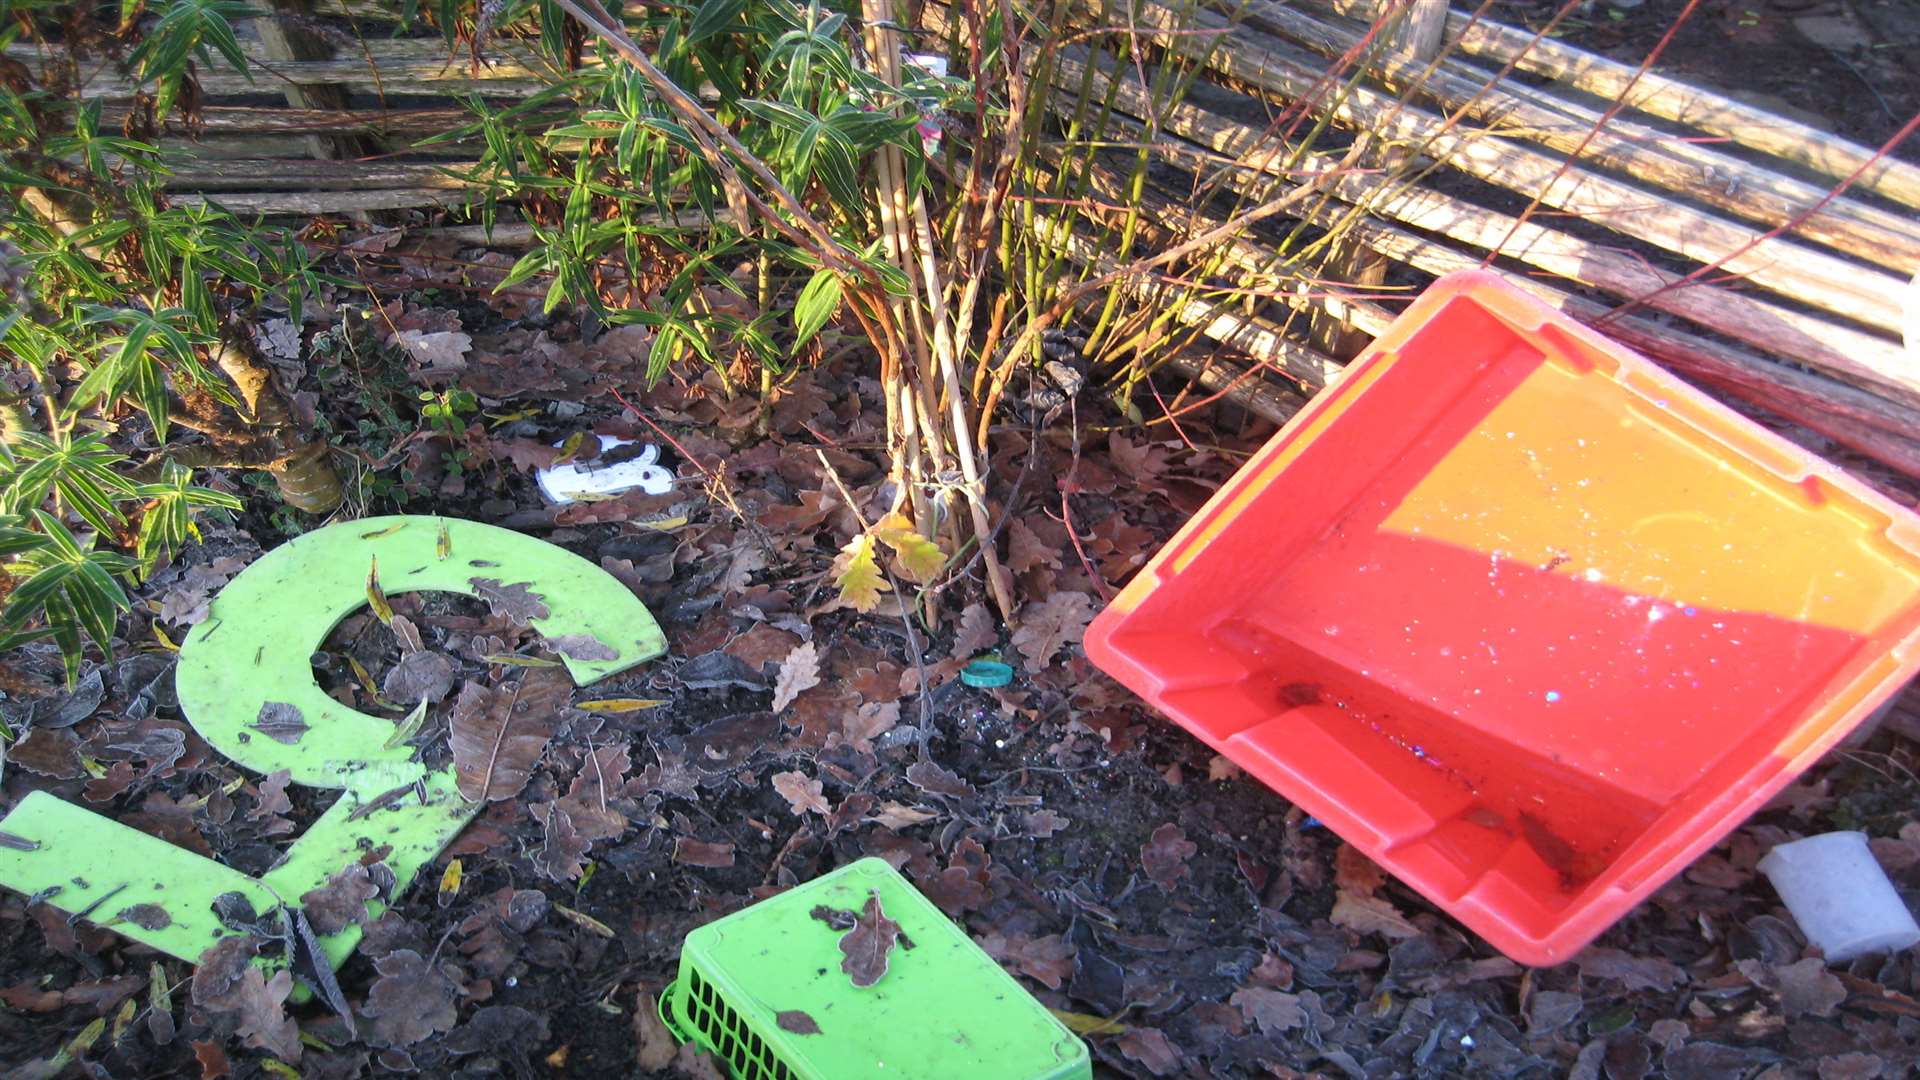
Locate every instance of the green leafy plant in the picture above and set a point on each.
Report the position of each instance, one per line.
(125, 327)
(626, 208)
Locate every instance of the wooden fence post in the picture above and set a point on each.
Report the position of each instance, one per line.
(283, 37)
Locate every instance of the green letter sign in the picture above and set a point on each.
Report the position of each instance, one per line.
(246, 685)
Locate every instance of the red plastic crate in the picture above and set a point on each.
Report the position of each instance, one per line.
(1524, 618)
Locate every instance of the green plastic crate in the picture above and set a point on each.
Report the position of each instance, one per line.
(943, 1009)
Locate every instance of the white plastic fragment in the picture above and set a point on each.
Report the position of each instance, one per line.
(1837, 892)
(588, 481)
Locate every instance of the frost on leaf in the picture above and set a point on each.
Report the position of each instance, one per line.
(799, 671)
(801, 793)
(1165, 856)
(1051, 625)
(584, 647)
(146, 916)
(280, 722)
(856, 573)
(419, 676)
(515, 601)
(227, 981)
(444, 350)
(867, 946)
(410, 1001)
(342, 901)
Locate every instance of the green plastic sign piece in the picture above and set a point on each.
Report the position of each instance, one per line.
(246, 685)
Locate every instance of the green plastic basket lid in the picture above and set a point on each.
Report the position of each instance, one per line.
(754, 985)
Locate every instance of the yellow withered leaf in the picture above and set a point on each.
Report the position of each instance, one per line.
(376, 597)
(365, 678)
(1087, 1024)
(856, 572)
(919, 558)
(619, 705)
(510, 660)
(571, 448)
(450, 882)
(585, 921)
(408, 728)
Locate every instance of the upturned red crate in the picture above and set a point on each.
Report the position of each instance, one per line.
(1524, 618)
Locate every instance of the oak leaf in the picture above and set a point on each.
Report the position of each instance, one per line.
(799, 671)
(856, 573)
(801, 793)
(1051, 625)
(866, 947)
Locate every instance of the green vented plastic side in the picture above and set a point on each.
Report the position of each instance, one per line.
(943, 1011)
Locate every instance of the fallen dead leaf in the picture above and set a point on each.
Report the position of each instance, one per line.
(1274, 1010)
(146, 916)
(419, 676)
(1149, 1047)
(897, 816)
(1805, 987)
(797, 1022)
(445, 350)
(1051, 625)
(655, 1046)
(867, 947)
(1633, 972)
(583, 647)
(1354, 873)
(694, 1063)
(1165, 855)
(498, 735)
(701, 853)
(280, 722)
(227, 981)
(1371, 915)
(563, 850)
(935, 780)
(802, 794)
(515, 601)
(799, 671)
(1222, 769)
(410, 1000)
(342, 901)
(762, 645)
(1025, 549)
(869, 722)
(1046, 960)
(1042, 824)
(978, 630)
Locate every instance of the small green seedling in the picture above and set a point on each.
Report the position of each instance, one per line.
(246, 685)
(856, 976)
